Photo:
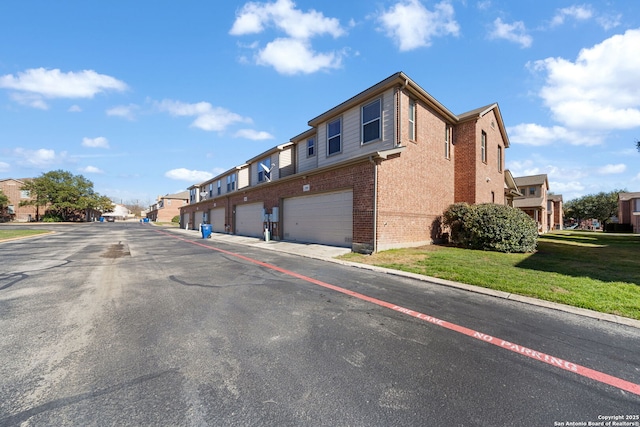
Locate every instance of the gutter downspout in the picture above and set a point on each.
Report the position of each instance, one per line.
(375, 204)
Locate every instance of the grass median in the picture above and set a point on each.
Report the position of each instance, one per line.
(597, 271)
(14, 234)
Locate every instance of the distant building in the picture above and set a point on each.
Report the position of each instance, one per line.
(167, 207)
(12, 188)
(629, 210)
(544, 208)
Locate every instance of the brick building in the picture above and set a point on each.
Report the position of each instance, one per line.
(373, 173)
(12, 188)
(629, 210)
(168, 206)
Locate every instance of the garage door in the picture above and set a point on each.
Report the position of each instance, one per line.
(249, 220)
(197, 220)
(326, 218)
(217, 219)
(185, 221)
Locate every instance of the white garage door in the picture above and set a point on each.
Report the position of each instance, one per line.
(185, 221)
(217, 218)
(197, 220)
(326, 218)
(249, 220)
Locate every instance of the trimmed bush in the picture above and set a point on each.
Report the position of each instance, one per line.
(176, 219)
(491, 227)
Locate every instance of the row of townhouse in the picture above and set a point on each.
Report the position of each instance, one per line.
(168, 206)
(535, 200)
(375, 172)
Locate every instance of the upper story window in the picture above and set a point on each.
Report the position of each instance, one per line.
(231, 183)
(532, 191)
(334, 137)
(311, 147)
(168, 202)
(24, 194)
(371, 121)
(447, 141)
(211, 190)
(192, 195)
(499, 158)
(264, 170)
(483, 147)
(637, 208)
(219, 187)
(412, 119)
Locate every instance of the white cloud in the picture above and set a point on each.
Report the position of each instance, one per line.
(566, 187)
(36, 84)
(125, 111)
(598, 91)
(515, 32)
(207, 117)
(4, 167)
(183, 174)
(612, 169)
(294, 53)
(292, 56)
(537, 135)
(282, 14)
(74, 109)
(91, 169)
(579, 13)
(253, 134)
(411, 25)
(40, 157)
(99, 142)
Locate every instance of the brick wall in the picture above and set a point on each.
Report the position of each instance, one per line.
(11, 189)
(358, 177)
(415, 187)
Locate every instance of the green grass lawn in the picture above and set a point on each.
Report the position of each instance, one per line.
(11, 234)
(597, 271)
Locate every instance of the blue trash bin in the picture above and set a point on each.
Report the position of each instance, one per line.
(101, 219)
(206, 231)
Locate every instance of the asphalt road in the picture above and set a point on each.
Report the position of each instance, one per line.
(124, 324)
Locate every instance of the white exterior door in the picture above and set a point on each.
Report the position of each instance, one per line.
(325, 218)
(217, 218)
(249, 220)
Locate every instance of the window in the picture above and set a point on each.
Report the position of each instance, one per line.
(499, 158)
(532, 191)
(211, 190)
(264, 170)
(168, 202)
(311, 147)
(24, 194)
(483, 147)
(192, 195)
(637, 209)
(447, 141)
(334, 133)
(371, 121)
(219, 187)
(231, 183)
(412, 119)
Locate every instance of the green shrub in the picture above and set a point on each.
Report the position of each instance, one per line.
(491, 227)
(176, 219)
(52, 218)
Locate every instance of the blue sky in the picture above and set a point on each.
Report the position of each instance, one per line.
(149, 97)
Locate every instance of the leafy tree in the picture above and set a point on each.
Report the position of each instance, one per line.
(601, 206)
(66, 196)
(4, 204)
(638, 145)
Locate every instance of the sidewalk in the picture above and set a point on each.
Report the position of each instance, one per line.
(329, 253)
(309, 250)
